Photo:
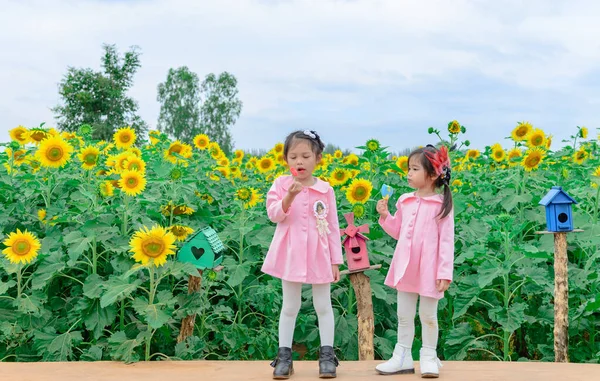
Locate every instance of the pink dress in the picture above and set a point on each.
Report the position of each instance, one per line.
(425, 249)
(300, 251)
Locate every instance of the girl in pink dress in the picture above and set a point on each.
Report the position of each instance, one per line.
(424, 257)
(306, 248)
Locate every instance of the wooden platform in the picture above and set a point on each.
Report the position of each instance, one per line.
(305, 370)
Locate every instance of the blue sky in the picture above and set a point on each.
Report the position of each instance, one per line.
(351, 70)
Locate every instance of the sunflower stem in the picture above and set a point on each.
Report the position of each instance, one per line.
(122, 316)
(151, 293)
(19, 277)
(94, 256)
(241, 259)
(125, 206)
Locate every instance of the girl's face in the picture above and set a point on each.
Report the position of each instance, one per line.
(301, 157)
(417, 175)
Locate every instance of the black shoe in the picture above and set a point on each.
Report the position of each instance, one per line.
(327, 362)
(284, 367)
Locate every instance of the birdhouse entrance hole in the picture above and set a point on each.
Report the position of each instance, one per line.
(356, 249)
(562, 217)
(198, 252)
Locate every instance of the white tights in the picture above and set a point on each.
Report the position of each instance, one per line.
(292, 297)
(407, 308)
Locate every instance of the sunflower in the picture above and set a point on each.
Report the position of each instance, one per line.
(255, 198)
(513, 154)
(134, 163)
(548, 141)
(457, 183)
(124, 137)
(402, 163)
(238, 155)
(521, 131)
(265, 164)
(248, 196)
(181, 232)
(37, 135)
(224, 171)
(107, 189)
(454, 127)
(583, 132)
(178, 148)
(358, 210)
(201, 141)
(338, 154)
(351, 159)
(249, 166)
(223, 162)
(21, 247)
(120, 161)
(214, 150)
(135, 151)
(373, 145)
(596, 172)
(214, 177)
(42, 215)
(472, 154)
(207, 197)
(20, 135)
(280, 159)
(235, 172)
(89, 157)
(176, 173)
(339, 176)
(132, 182)
(533, 158)
(278, 148)
(536, 138)
(359, 191)
(580, 156)
(68, 135)
(498, 155)
(152, 245)
(54, 152)
(18, 157)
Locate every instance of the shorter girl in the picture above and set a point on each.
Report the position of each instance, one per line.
(306, 248)
(424, 257)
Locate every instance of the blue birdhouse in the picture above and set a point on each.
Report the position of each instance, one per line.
(559, 217)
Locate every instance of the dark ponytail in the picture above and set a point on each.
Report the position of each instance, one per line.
(447, 204)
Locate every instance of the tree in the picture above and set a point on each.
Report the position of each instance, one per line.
(180, 100)
(220, 109)
(100, 98)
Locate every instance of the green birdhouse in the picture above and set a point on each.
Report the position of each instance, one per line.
(203, 249)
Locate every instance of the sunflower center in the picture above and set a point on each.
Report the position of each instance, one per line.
(21, 247)
(244, 194)
(537, 140)
(54, 153)
(153, 247)
(360, 192)
(134, 166)
(38, 136)
(522, 131)
(498, 154)
(131, 182)
(90, 158)
(265, 164)
(340, 175)
(125, 138)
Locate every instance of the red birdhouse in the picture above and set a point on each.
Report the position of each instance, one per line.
(355, 244)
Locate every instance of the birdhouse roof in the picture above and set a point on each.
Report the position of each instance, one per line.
(213, 239)
(557, 196)
(358, 235)
(210, 235)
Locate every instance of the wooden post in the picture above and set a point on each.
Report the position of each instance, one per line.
(561, 295)
(366, 325)
(561, 299)
(189, 322)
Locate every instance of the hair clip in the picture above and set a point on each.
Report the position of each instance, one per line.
(310, 133)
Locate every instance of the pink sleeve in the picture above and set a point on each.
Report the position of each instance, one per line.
(275, 204)
(335, 239)
(392, 224)
(446, 248)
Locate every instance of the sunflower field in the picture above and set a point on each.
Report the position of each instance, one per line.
(89, 229)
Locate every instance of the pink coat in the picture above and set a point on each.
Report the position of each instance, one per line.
(425, 249)
(298, 253)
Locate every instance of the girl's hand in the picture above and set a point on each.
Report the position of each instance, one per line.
(382, 207)
(335, 269)
(442, 284)
(295, 188)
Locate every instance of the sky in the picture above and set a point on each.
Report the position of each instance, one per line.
(351, 70)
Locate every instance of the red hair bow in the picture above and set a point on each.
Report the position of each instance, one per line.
(440, 162)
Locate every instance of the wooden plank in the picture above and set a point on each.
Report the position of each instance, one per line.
(304, 371)
(346, 272)
(572, 231)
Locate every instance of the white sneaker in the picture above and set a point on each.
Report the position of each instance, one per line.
(430, 364)
(400, 363)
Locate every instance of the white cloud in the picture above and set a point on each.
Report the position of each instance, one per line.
(289, 56)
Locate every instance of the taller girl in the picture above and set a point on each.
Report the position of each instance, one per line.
(424, 257)
(306, 248)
